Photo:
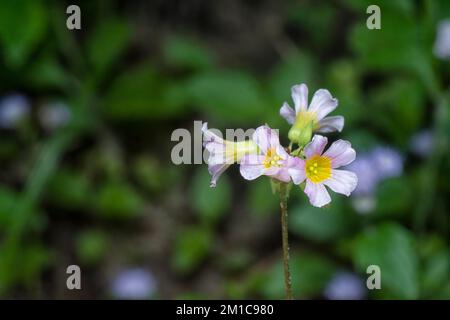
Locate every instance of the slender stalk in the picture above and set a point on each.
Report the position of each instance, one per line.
(285, 239)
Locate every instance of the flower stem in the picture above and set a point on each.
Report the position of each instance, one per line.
(284, 193)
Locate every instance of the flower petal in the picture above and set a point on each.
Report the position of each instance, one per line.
(296, 169)
(215, 146)
(283, 175)
(287, 113)
(266, 138)
(322, 103)
(216, 158)
(299, 94)
(281, 152)
(216, 171)
(341, 153)
(251, 166)
(316, 146)
(331, 124)
(317, 194)
(209, 136)
(342, 181)
(279, 173)
(252, 159)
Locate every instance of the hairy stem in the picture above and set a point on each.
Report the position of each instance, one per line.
(284, 234)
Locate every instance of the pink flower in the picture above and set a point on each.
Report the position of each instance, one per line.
(223, 153)
(272, 161)
(319, 170)
(321, 105)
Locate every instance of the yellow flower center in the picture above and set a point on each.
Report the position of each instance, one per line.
(318, 168)
(272, 159)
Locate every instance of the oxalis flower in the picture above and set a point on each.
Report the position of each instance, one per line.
(223, 153)
(272, 160)
(308, 119)
(319, 170)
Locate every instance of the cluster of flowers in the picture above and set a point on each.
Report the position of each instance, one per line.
(309, 165)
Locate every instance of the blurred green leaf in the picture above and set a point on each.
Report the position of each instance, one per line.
(192, 246)
(440, 9)
(314, 17)
(400, 108)
(236, 289)
(192, 296)
(141, 94)
(228, 95)
(235, 260)
(23, 266)
(106, 43)
(344, 78)
(46, 72)
(260, 198)
(118, 200)
(176, 98)
(431, 245)
(8, 148)
(149, 173)
(390, 247)
(210, 203)
(7, 202)
(298, 68)
(69, 189)
(91, 246)
(184, 53)
(33, 260)
(403, 6)
(436, 273)
(389, 50)
(321, 224)
(362, 140)
(22, 25)
(310, 273)
(394, 196)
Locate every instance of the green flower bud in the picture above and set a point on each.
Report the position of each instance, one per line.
(301, 133)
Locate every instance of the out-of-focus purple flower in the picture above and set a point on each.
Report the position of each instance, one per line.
(367, 174)
(364, 204)
(136, 283)
(372, 167)
(13, 108)
(54, 115)
(345, 286)
(422, 143)
(388, 162)
(442, 43)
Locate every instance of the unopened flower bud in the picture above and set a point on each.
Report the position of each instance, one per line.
(301, 133)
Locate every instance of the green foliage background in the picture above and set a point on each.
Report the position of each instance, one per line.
(102, 192)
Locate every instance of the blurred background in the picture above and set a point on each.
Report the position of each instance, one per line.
(86, 178)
